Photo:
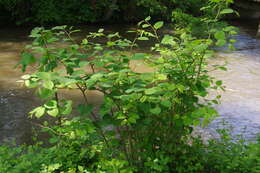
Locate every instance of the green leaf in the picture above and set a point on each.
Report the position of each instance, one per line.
(221, 43)
(53, 140)
(167, 39)
(48, 84)
(101, 30)
(219, 83)
(156, 110)
(232, 41)
(196, 122)
(111, 43)
(180, 87)
(201, 47)
(151, 91)
(81, 168)
(145, 25)
(67, 108)
(113, 35)
(30, 84)
(83, 63)
(132, 118)
(51, 104)
(27, 83)
(147, 18)
(106, 106)
(27, 59)
(44, 75)
(53, 112)
(143, 38)
(227, 11)
(187, 121)
(223, 68)
(220, 35)
(45, 93)
(166, 103)
(36, 32)
(94, 78)
(38, 112)
(209, 115)
(85, 41)
(161, 77)
(158, 25)
(62, 27)
(27, 76)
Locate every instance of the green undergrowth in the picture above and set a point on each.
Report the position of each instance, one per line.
(217, 156)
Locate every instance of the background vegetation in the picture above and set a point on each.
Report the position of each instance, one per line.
(92, 11)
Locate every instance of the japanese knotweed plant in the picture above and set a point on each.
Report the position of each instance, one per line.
(144, 116)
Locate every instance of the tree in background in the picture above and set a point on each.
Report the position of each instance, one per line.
(90, 11)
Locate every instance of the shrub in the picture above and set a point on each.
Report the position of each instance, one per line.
(222, 155)
(146, 119)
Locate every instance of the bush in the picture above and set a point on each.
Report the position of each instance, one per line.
(146, 119)
(216, 156)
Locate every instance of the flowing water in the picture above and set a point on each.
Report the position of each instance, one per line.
(240, 103)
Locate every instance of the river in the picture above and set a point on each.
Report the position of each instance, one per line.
(240, 103)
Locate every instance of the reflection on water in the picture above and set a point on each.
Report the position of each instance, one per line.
(240, 103)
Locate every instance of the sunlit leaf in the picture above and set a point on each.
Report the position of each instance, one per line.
(145, 25)
(51, 104)
(26, 77)
(158, 25)
(221, 42)
(147, 18)
(151, 91)
(167, 39)
(53, 112)
(48, 84)
(156, 110)
(66, 108)
(220, 35)
(143, 38)
(38, 112)
(227, 11)
(45, 93)
(101, 30)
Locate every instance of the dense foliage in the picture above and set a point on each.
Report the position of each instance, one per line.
(218, 156)
(82, 11)
(146, 119)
